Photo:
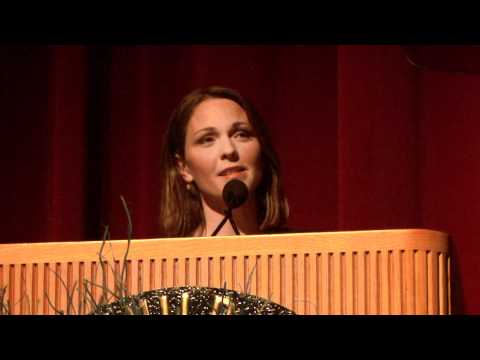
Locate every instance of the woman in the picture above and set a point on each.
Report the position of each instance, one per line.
(213, 136)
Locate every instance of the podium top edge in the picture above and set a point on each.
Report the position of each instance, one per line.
(415, 231)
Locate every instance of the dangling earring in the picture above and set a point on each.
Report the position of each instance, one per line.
(189, 187)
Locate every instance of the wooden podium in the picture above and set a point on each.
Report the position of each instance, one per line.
(352, 272)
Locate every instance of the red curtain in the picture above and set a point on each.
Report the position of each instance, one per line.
(367, 140)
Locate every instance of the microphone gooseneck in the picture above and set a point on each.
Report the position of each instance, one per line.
(234, 194)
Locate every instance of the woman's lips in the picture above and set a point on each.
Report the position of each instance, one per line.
(233, 174)
(235, 170)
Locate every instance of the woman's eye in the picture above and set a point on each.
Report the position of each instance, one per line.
(206, 140)
(243, 134)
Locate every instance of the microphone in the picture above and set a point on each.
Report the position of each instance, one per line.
(234, 194)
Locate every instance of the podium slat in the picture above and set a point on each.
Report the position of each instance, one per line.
(171, 271)
(299, 280)
(162, 273)
(216, 272)
(82, 293)
(118, 278)
(203, 271)
(149, 274)
(42, 289)
(350, 284)
(85, 274)
(14, 288)
(384, 285)
(317, 278)
(60, 273)
(180, 281)
(295, 293)
(96, 278)
(338, 299)
(223, 270)
(397, 285)
(155, 274)
(75, 288)
(132, 277)
(3, 282)
(263, 279)
(90, 276)
(67, 293)
(240, 273)
(310, 280)
(288, 266)
(251, 274)
(35, 302)
(361, 288)
(421, 282)
(140, 276)
(276, 278)
(325, 285)
(3, 290)
(433, 300)
(442, 278)
(229, 273)
(27, 290)
(373, 280)
(176, 272)
(189, 271)
(409, 282)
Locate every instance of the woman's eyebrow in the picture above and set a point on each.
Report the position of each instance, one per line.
(207, 129)
(239, 124)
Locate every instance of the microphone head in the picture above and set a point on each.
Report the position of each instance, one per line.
(235, 193)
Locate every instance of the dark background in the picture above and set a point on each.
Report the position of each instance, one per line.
(370, 137)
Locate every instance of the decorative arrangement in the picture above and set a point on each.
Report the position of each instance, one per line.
(190, 300)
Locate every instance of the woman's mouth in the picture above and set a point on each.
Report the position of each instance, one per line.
(233, 171)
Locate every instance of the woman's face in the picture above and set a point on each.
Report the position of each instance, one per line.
(220, 145)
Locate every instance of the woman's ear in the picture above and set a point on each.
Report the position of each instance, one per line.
(183, 169)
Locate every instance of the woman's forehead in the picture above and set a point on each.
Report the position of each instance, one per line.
(217, 113)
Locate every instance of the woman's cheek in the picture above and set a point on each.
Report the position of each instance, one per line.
(204, 169)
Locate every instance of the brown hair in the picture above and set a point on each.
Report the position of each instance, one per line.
(181, 212)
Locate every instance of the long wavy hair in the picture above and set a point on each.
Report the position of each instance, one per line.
(181, 210)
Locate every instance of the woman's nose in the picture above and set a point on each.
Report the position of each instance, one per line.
(229, 151)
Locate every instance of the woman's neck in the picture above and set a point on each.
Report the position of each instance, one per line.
(245, 217)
